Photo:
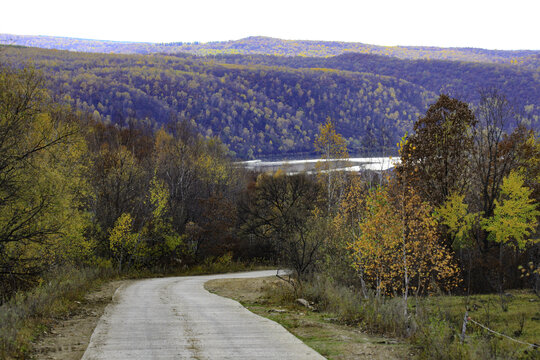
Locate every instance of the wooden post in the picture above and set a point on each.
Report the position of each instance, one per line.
(464, 327)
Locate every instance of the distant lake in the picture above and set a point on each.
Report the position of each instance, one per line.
(308, 165)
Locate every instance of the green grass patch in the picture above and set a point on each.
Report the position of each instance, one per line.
(440, 320)
(433, 324)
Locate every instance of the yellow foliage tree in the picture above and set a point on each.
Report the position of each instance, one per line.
(334, 154)
(124, 244)
(515, 214)
(454, 215)
(162, 240)
(42, 182)
(397, 247)
(377, 242)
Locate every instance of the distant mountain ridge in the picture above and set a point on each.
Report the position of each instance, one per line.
(264, 105)
(274, 46)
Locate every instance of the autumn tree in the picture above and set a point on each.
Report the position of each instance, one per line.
(515, 214)
(397, 247)
(202, 186)
(428, 265)
(333, 149)
(514, 218)
(435, 159)
(120, 183)
(345, 229)
(495, 154)
(42, 161)
(454, 214)
(175, 164)
(528, 160)
(164, 244)
(125, 244)
(376, 243)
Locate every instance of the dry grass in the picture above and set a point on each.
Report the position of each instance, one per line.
(433, 325)
(68, 338)
(273, 299)
(29, 315)
(65, 299)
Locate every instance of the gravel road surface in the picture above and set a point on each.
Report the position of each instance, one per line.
(176, 318)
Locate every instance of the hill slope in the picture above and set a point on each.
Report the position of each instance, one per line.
(462, 80)
(263, 105)
(257, 110)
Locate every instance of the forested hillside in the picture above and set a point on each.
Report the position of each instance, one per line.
(461, 79)
(256, 110)
(273, 46)
(263, 105)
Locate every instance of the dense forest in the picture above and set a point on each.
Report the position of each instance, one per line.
(273, 46)
(263, 106)
(74, 190)
(102, 171)
(460, 79)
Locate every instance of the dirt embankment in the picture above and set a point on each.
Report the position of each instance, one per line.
(69, 337)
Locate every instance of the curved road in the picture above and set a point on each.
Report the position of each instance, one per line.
(176, 318)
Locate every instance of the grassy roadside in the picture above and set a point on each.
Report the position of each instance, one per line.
(322, 331)
(432, 328)
(433, 324)
(29, 316)
(441, 320)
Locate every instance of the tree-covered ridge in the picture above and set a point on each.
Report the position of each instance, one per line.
(461, 79)
(273, 46)
(257, 110)
(308, 48)
(262, 105)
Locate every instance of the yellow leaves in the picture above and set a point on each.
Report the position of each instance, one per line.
(401, 144)
(121, 238)
(279, 173)
(332, 147)
(454, 215)
(212, 169)
(530, 269)
(173, 242)
(44, 159)
(515, 214)
(162, 140)
(330, 144)
(353, 202)
(159, 197)
(378, 240)
(397, 236)
(124, 244)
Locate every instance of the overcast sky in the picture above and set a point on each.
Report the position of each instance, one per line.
(492, 24)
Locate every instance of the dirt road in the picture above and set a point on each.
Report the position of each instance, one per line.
(176, 318)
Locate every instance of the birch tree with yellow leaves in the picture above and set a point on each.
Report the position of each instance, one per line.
(397, 247)
(334, 154)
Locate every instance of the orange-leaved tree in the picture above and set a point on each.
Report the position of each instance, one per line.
(397, 248)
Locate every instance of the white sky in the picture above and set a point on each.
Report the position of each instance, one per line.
(492, 24)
